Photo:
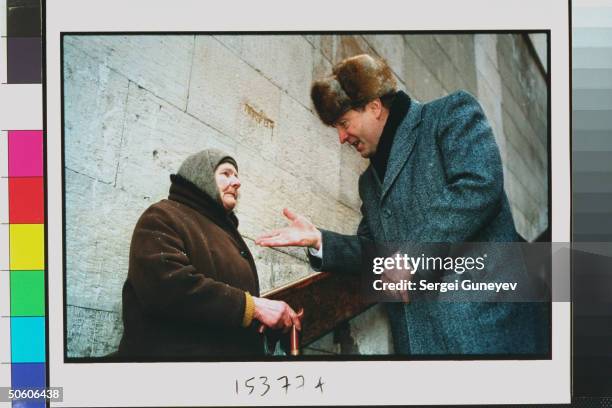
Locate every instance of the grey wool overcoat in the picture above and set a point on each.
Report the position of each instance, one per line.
(443, 184)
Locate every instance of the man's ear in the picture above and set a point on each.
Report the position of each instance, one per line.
(376, 107)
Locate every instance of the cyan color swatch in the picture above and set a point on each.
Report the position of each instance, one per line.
(27, 340)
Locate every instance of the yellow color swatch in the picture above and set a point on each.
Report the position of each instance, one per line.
(27, 247)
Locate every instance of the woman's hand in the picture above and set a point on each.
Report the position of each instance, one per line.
(275, 314)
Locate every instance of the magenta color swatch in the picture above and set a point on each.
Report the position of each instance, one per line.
(25, 153)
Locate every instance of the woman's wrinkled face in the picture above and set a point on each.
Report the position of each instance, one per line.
(228, 184)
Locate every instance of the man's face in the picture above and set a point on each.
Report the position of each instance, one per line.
(361, 128)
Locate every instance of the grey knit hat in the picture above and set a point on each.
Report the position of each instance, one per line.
(199, 169)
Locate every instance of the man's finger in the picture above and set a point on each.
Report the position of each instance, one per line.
(271, 242)
(268, 234)
(278, 242)
(289, 214)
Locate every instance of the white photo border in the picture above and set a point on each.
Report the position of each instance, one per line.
(346, 382)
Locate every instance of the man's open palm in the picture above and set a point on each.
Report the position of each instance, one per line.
(300, 232)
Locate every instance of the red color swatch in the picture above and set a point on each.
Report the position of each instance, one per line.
(26, 200)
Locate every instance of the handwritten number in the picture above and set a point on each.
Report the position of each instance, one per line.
(252, 387)
(320, 384)
(286, 386)
(248, 383)
(265, 382)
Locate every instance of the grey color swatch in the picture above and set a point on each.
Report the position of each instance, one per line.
(592, 182)
(592, 202)
(24, 60)
(592, 141)
(591, 78)
(592, 99)
(596, 161)
(592, 119)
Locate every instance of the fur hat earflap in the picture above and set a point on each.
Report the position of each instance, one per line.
(354, 82)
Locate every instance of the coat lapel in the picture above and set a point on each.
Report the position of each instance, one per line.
(402, 145)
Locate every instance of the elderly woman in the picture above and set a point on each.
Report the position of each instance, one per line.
(192, 287)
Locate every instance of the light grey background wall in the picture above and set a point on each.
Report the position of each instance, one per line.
(136, 106)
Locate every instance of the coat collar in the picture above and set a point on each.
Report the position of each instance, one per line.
(185, 192)
(397, 112)
(402, 146)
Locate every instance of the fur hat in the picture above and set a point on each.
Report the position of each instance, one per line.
(353, 83)
(199, 169)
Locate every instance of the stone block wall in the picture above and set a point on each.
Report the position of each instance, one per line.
(136, 106)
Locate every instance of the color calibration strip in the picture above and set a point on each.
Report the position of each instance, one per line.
(592, 200)
(22, 211)
(23, 43)
(24, 268)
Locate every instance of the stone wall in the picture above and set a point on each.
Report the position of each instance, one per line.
(136, 106)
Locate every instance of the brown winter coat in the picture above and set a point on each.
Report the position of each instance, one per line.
(188, 271)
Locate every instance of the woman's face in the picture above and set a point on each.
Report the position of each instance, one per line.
(228, 184)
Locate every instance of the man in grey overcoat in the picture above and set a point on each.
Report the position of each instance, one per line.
(435, 176)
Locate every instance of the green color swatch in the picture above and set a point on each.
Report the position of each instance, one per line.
(27, 293)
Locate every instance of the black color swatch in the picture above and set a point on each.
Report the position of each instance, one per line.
(23, 18)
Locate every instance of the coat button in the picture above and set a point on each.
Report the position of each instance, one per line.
(387, 213)
(244, 254)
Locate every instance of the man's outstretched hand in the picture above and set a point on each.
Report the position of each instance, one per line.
(300, 232)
